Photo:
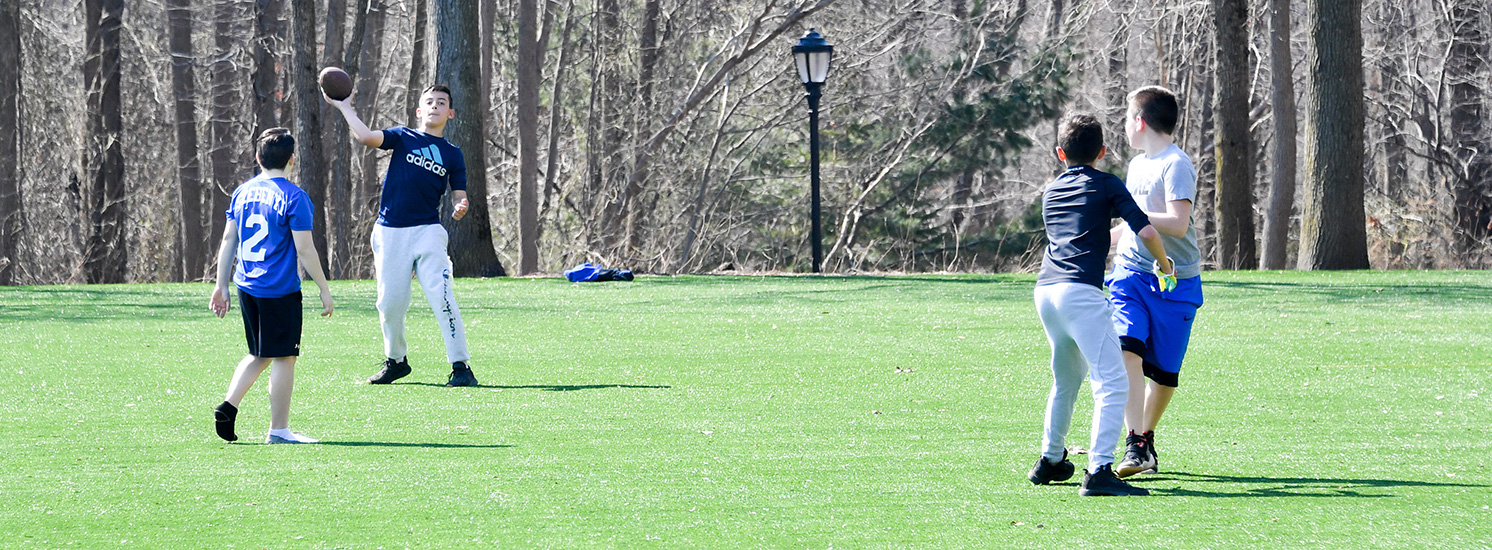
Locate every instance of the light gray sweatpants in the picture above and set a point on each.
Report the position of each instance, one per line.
(398, 251)
(1078, 322)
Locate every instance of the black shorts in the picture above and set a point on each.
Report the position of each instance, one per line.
(272, 325)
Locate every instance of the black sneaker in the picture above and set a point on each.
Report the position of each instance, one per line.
(1045, 472)
(224, 415)
(392, 370)
(461, 375)
(1103, 483)
(1154, 454)
(1137, 456)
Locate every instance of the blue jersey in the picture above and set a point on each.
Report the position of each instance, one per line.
(1077, 207)
(420, 170)
(265, 211)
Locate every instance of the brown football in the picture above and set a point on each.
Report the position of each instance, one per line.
(335, 83)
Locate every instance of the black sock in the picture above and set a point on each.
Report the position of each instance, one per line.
(226, 414)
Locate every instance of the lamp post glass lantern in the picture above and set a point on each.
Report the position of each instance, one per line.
(812, 55)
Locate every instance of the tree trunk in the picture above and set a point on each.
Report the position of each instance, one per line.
(418, 79)
(551, 171)
(366, 199)
(528, 136)
(337, 204)
(1332, 227)
(190, 264)
(458, 65)
(267, 32)
(311, 163)
(105, 256)
(1282, 154)
(1235, 170)
(1466, 73)
(225, 144)
(642, 125)
(12, 217)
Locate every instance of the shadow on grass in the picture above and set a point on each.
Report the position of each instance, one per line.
(415, 445)
(1291, 486)
(549, 387)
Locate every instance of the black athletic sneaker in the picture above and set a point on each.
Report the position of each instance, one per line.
(1103, 483)
(1045, 472)
(392, 370)
(1137, 456)
(1154, 454)
(461, 375)
(224, 415)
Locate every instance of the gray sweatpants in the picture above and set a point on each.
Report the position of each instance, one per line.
(398, 251)
(1078, 322)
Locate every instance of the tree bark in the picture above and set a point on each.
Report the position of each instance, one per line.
(225, 146)
(368, 187)
(458, 56)
(268, 31)
(1282, 153)
(1235, 170)
(528, 136)
(309, 159)
(105, 255)
(12, 215)
(1332, 228)
(337, 204)
(418, 79)
(190, 264)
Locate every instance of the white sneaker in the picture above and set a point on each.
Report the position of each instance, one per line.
(271, 438)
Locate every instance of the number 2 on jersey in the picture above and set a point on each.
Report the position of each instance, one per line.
(260, 229)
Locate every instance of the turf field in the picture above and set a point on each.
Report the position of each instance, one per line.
(1317, 410)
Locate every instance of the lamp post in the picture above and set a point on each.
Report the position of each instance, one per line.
(812, 54)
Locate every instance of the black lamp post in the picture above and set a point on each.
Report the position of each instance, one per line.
(812, 54)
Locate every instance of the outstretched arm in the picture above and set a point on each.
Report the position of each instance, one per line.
(360, 131)
(305, 251)
(218, 302)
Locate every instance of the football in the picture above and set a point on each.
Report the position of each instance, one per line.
(335, 83)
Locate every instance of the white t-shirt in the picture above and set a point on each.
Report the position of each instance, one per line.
(1154, 181)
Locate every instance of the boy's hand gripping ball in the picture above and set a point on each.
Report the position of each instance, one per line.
(335, 83)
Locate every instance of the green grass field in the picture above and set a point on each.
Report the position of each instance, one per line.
(1317, 410)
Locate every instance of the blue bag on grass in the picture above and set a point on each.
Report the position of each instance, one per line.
(590, 272)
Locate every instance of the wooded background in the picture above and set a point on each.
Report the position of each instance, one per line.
(670, 136)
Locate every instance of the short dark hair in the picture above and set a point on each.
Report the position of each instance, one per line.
(274, 148)
(1081, 138)
(440, 88)
(1157, 106)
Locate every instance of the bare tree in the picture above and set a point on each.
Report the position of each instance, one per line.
(1235, 170)
(225, 143)
(311, 172)
(1466, 73)
(1282, 153)
(528, 136)
(268, 33)
(105, 251)
(458, 56)
(12, 215)
(190, 244)
(418, 73)
(1332, 227)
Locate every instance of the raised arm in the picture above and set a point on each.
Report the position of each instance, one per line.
(305, 252)
(359, 131)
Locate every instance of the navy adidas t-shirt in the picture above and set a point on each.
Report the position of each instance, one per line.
(420, 170)
(1077, 207)
(266, 210)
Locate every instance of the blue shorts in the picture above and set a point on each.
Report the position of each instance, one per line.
(1155, 325)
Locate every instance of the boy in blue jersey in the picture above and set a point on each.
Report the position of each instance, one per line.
(269, 231)
(1154, 324)
(1075, 312)
(408, 235)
